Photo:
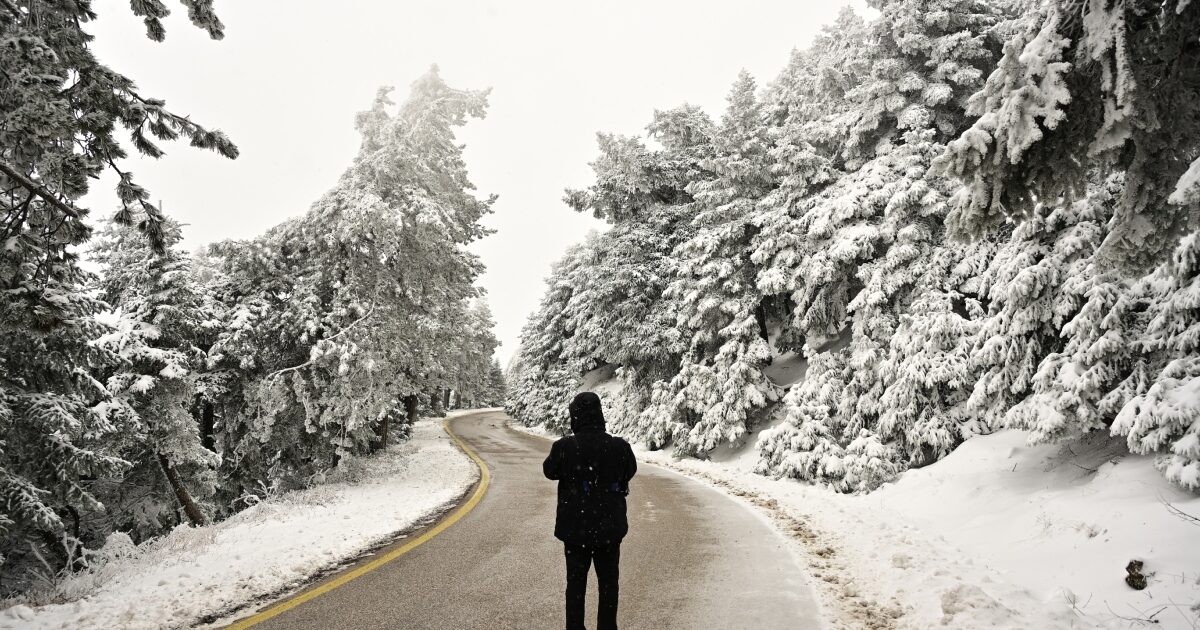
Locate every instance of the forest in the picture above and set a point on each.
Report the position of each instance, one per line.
(955, 217)
(142, 386)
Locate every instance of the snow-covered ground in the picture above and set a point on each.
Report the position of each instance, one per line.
(193, 574)
(997, 535)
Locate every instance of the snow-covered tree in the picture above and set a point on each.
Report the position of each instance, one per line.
(61, 110)
(339, 316)
(1088, 85)
(927, 57)
(1099, 368)
(1082, 95)
(495, 390)
(713, 290)
(159, 320)
(1035, 285)
(474, 370)
(545, 377)
(57, 435)
(921, 411)
(863, 259)
(813, 444)
(604, 302)
(1164, 417)
(806, 101)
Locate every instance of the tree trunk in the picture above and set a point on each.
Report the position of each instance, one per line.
(383, 430)
(411, 407)
(435, 403)
(458, 401)
(189, 506)
(446, 399)
(760, 314)
(208, 422)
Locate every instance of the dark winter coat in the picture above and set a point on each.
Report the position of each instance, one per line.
(593, 470)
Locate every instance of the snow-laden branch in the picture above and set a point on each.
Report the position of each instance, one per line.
(339, 333)
(35, 188)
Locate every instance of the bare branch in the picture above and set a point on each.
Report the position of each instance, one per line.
(1141, 619)
(1178, 512)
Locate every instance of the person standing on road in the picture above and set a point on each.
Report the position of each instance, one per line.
(593, 470)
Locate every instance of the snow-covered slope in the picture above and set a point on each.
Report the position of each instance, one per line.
(997, 535)
(205, 572)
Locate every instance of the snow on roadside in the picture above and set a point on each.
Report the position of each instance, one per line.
(997, 535)
(197, 573)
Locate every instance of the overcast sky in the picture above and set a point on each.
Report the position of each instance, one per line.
(289, 76)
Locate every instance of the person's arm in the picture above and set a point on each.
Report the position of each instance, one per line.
(552, 467)
(631, 463)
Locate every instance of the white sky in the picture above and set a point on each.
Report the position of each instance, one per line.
(289, 76)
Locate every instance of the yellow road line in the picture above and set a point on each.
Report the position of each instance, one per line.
(485, 477)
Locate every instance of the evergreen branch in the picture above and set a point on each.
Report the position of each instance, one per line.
(39, 190)
(15, 223)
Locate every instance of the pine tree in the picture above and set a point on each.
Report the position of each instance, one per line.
(604, 305)
(496, 388)
(804, 104)
(809, 444)
(713, 290)
(545, 378)
(1164, 417)
(338, 317)
(1085, 87)
(1037, 282)
(474, 367)
(927, 57)
(921, 411)
(863, 258)
(159, 318)
(1084, 94)
(52, 415)
(1083, 386)
(60, 110)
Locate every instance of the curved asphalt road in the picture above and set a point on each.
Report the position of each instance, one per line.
(694, 559)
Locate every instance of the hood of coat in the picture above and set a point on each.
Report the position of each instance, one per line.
(586, 414)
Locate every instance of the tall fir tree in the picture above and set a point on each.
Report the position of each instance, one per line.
(339, 316)
(160, 314)
(720, 311)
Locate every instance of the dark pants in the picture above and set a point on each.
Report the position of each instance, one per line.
(579, 559)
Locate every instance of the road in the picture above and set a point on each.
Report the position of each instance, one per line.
(694, 559)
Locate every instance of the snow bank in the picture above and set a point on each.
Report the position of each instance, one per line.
(997, 535)
(602, 381)
(1063, 521)
(787, 369)
(201, 573)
